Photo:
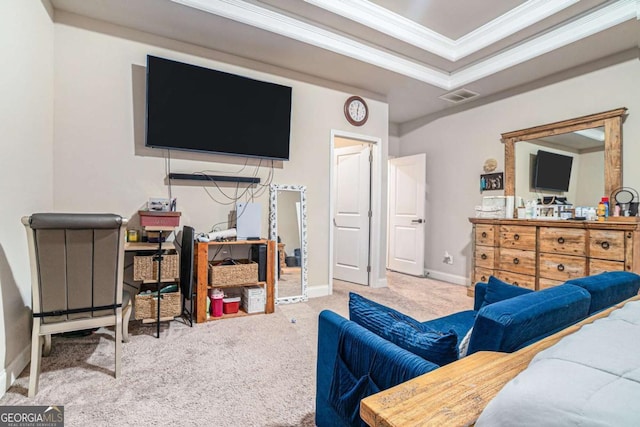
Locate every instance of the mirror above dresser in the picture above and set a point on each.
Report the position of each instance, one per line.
(595, 143)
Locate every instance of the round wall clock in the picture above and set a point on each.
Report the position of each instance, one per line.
(356, 110)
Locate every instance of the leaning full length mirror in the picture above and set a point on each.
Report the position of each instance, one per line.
(287, 226)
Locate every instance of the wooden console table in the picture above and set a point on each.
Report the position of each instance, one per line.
(201, 268)
(457, 393)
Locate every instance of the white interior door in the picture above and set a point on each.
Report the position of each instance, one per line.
(351, 219)
(407, 177)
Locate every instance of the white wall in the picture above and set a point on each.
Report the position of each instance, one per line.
(458, 145)
(394, 146)
(26, 120)
(101, 164)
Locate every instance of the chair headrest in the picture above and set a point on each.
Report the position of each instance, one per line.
(74, 221)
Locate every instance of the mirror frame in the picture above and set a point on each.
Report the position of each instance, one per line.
(273, 235)
(610, 120)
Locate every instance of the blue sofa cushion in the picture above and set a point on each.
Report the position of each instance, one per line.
(375, 316)
(497, 290)
(609, 288)
(435, 346)
(459, 322)
(516, 322)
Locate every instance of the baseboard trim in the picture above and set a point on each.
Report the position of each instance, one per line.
(446, 277)
(14, 369)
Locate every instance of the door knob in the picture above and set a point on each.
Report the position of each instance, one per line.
(418, 221)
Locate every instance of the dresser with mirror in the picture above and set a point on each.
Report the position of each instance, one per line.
(540, 253)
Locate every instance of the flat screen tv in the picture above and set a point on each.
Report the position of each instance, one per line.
(552, 171)
(200, 109)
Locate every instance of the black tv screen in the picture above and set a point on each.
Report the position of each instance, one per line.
(552, 171)
(200, 109)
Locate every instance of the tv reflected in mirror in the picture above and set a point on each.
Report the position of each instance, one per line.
(552, 171)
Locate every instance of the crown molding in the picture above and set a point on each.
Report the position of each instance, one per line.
(586, 26)
(517, 19)
(259, 17)
(380, 19)
(268, 20)
(383, 20)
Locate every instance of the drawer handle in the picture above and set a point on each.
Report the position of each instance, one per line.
(560, 267)
(516, 261)
(605, 245)
(484, 234)
(561, 240)
(516, 237)
(483, 256)
(515, 284)
(483, 279)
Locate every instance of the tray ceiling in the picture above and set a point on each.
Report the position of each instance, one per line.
(409, 53)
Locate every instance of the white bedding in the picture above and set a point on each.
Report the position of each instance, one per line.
(589, 378)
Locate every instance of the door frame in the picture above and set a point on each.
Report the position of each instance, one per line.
(378, 235)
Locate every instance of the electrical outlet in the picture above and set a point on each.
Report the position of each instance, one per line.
(448, 259)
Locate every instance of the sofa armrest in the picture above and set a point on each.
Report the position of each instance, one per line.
(514, 323)
(364, 353)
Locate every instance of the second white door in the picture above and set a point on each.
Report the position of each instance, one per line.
(352, 213)
(407, 176)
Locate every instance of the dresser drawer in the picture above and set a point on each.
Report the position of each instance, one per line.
(562, 267)
(568, 241)
(518, 237)
(481, 275)
(597, 266)
(548, 283)
(485, 235)
(606, 244)
(517, 261)
(485, 257)
(520, 280)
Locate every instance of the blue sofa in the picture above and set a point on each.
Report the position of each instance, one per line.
(376, 349)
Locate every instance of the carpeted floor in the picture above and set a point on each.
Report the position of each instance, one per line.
(248, 371)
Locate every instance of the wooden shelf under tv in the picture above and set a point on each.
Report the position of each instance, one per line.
(201, 269)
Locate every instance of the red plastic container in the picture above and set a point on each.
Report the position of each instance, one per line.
(216, 302)
(231, 305)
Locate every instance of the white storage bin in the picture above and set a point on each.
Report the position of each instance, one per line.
(253, 299)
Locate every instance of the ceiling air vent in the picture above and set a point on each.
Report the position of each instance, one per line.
(459, 95)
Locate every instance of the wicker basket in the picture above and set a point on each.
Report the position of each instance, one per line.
(146, 305)
(145, 269)
(240, 274)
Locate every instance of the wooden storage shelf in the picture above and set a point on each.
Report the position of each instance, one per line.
(154, 281)
(240, 313)
(261, 284)
(201, 268)
(147, 246)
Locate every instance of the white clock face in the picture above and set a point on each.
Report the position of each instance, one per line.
(357, 110)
